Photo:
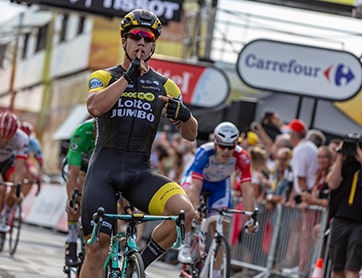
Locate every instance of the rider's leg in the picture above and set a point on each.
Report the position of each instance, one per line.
(164, 235)
(95, 256)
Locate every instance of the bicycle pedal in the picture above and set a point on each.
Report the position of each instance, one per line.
(66, 269)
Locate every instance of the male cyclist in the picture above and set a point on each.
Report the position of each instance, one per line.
(80, 150)
(13, 154)
(127, 101)
(35, 172)
(211, 170)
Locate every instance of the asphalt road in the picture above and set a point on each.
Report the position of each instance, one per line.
(40, 253)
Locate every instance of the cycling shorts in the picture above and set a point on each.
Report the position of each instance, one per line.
(111, 171)
(7, 167)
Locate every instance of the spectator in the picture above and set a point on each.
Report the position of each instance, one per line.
(334, 144)
(320, 193)
(259, 172)
(248, 140)
(272, 124)
(317, 137)
(344, 181)
(304, 165)
(281, 179)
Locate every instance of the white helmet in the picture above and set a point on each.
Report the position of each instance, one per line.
(226, 133)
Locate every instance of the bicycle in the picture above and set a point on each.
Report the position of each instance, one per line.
(124, 259)
(15, 220)
(204, 259)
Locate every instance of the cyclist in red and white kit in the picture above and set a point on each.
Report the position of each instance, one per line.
(14, 151)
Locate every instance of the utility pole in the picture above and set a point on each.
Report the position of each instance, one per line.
(14, 62)
(210, 30)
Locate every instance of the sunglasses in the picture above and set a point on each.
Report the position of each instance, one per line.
(139, 34)
(223, 147)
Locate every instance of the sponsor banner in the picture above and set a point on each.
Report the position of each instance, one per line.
(200, 85)
(48, 208)
(300, 69)
(166, 10)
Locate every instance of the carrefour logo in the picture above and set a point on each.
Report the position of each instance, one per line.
(300, 69)
(342, 75)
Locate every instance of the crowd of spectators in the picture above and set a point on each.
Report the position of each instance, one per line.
(289, 164)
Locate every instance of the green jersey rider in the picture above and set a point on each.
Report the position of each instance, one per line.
(75, 167)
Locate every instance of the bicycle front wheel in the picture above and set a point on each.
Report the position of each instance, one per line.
(218, 264)
(15, 222)
(135, 268)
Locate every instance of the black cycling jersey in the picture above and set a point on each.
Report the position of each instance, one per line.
(135, 117)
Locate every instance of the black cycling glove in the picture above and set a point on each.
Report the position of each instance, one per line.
(133, 71)
(176, 110)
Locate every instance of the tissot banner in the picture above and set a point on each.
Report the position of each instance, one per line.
(200, 85)
(166, 10)
(300, 69)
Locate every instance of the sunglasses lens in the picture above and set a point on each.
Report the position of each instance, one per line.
(138, 34)
(223, 147)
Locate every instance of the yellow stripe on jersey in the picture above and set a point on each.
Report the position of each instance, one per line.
(98, 81)
(160, 198)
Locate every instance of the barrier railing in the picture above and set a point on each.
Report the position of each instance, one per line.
(285, 243)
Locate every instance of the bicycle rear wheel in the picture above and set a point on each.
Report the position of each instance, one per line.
(2, 240)
(135, 268)
(15, 222)
(220, 261)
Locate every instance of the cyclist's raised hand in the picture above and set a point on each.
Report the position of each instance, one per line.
(175, 109)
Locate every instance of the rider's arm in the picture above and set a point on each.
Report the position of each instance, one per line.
(194, 192)
(334, 177)
(248, 196)
(188, 129)
(72, 179)
(243, 164)
(102, 97)
(20, 170)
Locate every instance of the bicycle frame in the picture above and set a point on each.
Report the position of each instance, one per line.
(204, 260)
(117, 258)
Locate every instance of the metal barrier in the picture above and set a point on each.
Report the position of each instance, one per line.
(284, 241)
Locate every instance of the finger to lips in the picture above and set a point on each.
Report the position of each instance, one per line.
(139, 53)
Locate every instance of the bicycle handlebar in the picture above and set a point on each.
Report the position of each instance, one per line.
(136, 218)
(225, 211)
(18, 185)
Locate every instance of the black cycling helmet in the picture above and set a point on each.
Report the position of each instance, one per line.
(142, 18)
(8, 125)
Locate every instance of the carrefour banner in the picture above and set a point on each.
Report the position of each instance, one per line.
(300, 69)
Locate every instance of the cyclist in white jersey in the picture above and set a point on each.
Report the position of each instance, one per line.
(211, 170)
(13, 154)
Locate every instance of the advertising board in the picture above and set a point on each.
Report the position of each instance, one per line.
(300, 69)
(204, 86)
